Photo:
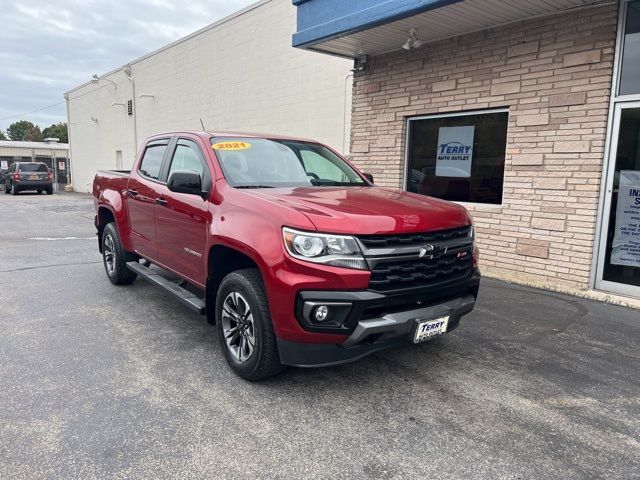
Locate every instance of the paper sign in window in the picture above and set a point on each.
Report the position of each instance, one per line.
(625, 248)
(455, 151)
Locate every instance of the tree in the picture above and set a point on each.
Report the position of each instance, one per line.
(24, 130)
(2, 135)
(33, 134)
(57, 130)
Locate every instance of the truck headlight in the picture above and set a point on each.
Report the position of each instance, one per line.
(336, 250)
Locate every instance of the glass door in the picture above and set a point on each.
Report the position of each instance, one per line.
(619, 253)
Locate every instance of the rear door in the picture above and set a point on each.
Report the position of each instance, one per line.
(181, 219)
(143, 191)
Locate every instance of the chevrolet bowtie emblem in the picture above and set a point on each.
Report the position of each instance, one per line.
(432, 251)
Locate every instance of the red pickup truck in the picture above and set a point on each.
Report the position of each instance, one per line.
(294, 255)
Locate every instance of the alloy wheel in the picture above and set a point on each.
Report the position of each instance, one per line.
(109, 254)
(238, 327)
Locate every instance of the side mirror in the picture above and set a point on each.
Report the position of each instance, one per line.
(183, 181)
(368, 176)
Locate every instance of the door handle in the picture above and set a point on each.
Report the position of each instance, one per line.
(133, 193)
(161, 201)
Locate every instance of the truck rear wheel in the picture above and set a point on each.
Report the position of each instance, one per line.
(115, 258)
(244, 326)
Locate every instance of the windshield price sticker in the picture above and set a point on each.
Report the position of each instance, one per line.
(229, 146)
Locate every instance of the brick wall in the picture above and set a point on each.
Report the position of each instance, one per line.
(554, 74)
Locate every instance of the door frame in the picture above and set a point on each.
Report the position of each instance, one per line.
(600, 283)
(616, 104)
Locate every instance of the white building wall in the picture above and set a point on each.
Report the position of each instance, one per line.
(239, 74)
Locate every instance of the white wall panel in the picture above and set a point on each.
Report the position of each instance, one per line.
(240, 74)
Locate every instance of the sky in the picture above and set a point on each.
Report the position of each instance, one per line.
(49, 47)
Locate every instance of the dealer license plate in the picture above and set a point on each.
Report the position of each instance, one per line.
(33, 177)
(427, 329)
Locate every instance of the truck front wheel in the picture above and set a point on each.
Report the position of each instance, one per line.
(115, 258)
(244, 326)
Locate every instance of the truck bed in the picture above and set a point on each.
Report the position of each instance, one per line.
(122, 173)
(116, 180)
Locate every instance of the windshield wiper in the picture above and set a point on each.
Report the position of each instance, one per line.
(253, 186)
(335, 183)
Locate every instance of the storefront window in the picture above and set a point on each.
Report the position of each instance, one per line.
(630, 74)
(458, 157)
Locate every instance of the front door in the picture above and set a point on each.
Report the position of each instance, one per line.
(619, 255)
(182, 219)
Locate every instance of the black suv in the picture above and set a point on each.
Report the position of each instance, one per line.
(28, 176)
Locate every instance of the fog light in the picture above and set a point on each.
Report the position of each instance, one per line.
(321, 313)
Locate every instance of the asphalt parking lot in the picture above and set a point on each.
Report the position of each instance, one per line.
(98, 381)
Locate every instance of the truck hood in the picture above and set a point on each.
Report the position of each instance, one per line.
(368, 210)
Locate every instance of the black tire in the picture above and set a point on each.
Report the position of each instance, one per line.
(49, 190)
(263, 361)
(115, 258)
(39, 191)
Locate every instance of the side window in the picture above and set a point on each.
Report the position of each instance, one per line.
(319, 166)
(152, 161)
(187, 158)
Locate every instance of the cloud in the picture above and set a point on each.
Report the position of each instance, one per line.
(49, 47)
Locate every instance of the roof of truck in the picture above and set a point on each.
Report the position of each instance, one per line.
(226, 134)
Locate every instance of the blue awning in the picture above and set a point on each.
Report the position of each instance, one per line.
(352, 27)
(321, 20)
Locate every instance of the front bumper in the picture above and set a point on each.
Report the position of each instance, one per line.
(377, 322)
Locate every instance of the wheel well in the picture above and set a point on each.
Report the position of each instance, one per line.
(104, 217)
(222, 261)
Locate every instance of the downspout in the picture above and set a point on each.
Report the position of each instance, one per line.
(134, 107)
(344, 120)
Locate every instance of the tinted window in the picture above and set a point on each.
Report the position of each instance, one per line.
(33, 167)
(152, 161)
(630, 74)
(186, 158)
(458, 158)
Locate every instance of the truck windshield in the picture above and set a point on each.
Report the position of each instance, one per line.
(264, 163)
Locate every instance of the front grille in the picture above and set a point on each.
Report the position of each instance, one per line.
(402, 274)
(407, 239)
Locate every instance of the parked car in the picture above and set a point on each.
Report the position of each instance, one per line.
(23, 176)
(293, 253)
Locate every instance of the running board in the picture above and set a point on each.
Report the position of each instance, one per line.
(185, 296)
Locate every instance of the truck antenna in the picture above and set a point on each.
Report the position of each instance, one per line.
(202, 123)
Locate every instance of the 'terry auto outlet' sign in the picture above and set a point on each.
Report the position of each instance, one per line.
(455, 151)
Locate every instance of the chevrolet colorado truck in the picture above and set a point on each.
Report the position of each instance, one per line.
(291, 252)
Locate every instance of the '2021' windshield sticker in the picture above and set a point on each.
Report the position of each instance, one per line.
(230, 146)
